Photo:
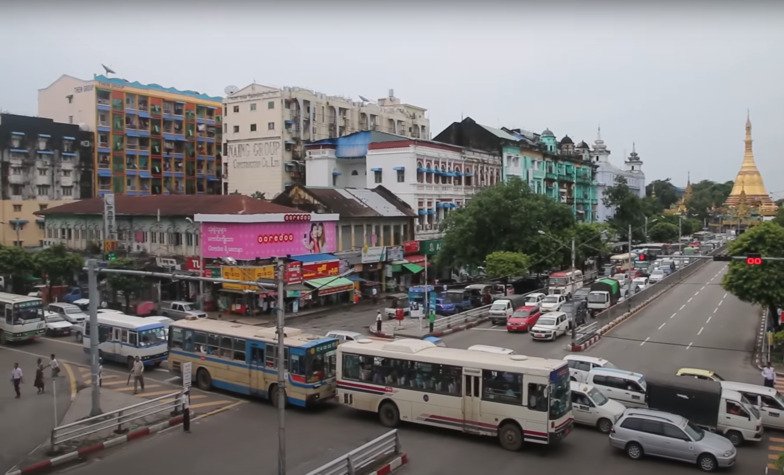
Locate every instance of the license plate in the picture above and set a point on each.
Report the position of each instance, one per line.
(539, 335)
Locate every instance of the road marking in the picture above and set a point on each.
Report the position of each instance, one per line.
(131, 389)
(708, 320)
(690, 299)
(71, 379)
(646, 340)
(59, 340)
(715, 309)
(690, 343)
(154, 393)
(725, 296)
(178, 379)
(210, 403)
(700, 332)
(703, 288)
(219, 410)
(673, 315)
(777, 440)
(696, 293)
(112, 383)
(682, 306)
(719, 304)
(662, 325)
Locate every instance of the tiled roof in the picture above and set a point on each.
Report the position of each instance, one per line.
(172, 205)
(361, 202)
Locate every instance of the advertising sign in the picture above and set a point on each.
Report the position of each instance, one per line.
(247, 274)
(372, 255)
(293, 273)
(186, 375)
(411, 247)
(192, 264)
(431, 248)
(249, 241)
(317, 271)
(395, 253)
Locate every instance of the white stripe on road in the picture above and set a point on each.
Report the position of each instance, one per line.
(662, 325)
(690, 343)
(696, 293)
(700, 332)
(490, 329)
(708, 320)
(646, 340)
(690, 299)
(682, 306)
(673, 315)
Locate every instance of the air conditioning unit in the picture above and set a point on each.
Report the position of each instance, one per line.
(85, 143)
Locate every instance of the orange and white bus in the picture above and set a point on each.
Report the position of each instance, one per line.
(565, 282)
(244, 359)
(623, 262)
(515, 398)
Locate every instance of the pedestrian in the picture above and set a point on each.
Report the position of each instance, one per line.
(186, 411)
(400, 315)
(39, 376)
(432, 317)
(379, 320)
(100, 372)
(356, 297)
(17, 378)
(374, 292)
(55, 365)
(137, 371)
(769, 376)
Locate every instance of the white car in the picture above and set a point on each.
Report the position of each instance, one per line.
(550, 326)
(580, 365)
(56, 324)
(640, 282)
(656, 276)
(553, 303)
(591, 407)
(534, 300)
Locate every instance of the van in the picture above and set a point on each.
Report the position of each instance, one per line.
(491, 349)
(503, 308)
(69, 311)
(344, 335)
(626, 387)
(581, 365)
(477, 293)
(697, 373)
(591, 407)
(768, 401)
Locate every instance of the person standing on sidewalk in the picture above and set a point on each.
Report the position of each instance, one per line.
(186, 411)
(138, 374)
(432, 318)
(55, 365)
(379, 320)
(39, 376)
(769, 376)
(17, 378)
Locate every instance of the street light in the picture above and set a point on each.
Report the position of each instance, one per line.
(16, 228)
(201, 264)
(646, 227)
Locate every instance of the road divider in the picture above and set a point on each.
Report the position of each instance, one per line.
(380, 456)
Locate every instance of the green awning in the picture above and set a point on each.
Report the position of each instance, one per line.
(413, 268)
(331, 285)
(32, 278)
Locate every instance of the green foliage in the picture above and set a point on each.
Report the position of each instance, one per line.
(663, 232)
(779, 219)
(663, 192)
(705, 195)
(259, 195)
(505, 217)
(630, 210)
(590, 240)
(506, 264)
(757, 284)
(58, 264)
(129, 285)
(17, 264)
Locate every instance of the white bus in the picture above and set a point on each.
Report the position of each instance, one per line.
(22, 318)
(565, 282)
(513, 397)
(122, 338)
(623, 262)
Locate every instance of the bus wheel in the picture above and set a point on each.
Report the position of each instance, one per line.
(510, 437)
(388, 414)
(129, 362)
(203, 379)
(274, 396)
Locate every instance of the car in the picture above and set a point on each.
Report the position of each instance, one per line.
(523, 319)
(581, 294)
(436, 341)
(345, 335)
(700, 374)
(69, 311)
(550, 326)
(534, 298)
(444, 307)
(576, 310)
(623, 280)
(56, 324)
(580, 365)
(641, 432)
(640, 283)
(591, 407)
(656, 276)
(552, 303)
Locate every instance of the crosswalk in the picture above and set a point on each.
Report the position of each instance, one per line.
(201, 401)
(776, 447)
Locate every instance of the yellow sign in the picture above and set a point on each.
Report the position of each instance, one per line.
(246, 274)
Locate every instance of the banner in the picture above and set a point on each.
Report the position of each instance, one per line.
(246, 274)
(317, 271)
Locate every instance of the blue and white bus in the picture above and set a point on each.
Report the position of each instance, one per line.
(21, 318)
(121, 338)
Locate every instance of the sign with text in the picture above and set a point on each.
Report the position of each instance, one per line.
(372, 255)
(187, 375)
(250, 241)
(293, 273)
(411, 247)
(254, 154)
(247, 274)
(192, 264)
(395, 253)
(317, 271)
(431, 248)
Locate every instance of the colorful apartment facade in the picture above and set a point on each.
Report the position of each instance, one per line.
(149, 140)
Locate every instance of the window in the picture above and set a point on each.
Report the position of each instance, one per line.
(271, 105)
(236, 108)
(271, 126)
(17, 208)
(502, 387)
(669, 430)
(176, 337)
(236, 129)
(70, 119)
(67, 173)
(257, 355)
(43, 172)
(239, 350)
(43, 189)
(377, 176)
(334, 180)
(133, 338)
(651, 427)
(252, 107)
(401, 176)
(354, 173)
(252, 127)
(581, 399)
(67, 190)
(735, 409)
(442, 379)
(537, 401)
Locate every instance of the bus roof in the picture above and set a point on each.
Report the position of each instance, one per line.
(627, 255)
(648, 244)
(565, 273)
(424, 351)
(15, 298)
(128, 321)
(293, 336)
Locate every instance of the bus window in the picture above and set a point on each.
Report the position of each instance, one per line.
(226, 347)
(239, 350)
(351, 367)
(502, 387)
(297, 365)
(188, 340)
(536, 397)
(213, 343)
(176, 338)
(257, 355)
(133, 338)
(124, 337)
(104, 333)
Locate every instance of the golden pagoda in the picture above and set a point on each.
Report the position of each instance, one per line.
(681, 207)
(749, 183)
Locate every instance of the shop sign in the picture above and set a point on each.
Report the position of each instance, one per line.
(192, 264)
(373, 254)
(431, 248)
(212, 272)
(395, 253)
(335, 290)
(250, 241)
(317, 271)
(167, 263)
(247, 274)
(293, 273)
(411, 247)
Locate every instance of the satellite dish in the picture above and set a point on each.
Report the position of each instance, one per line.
(108, 69)
(364, 99)
(231, 90)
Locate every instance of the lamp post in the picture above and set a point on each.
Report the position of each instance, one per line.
(646, 227)
(201, 263)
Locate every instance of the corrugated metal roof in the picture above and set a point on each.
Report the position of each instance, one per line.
(360, 202)
(499, 133)
(374, 201)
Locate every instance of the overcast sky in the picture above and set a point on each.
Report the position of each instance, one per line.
(677, 80)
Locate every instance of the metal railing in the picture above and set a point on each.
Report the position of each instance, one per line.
(117, 420)
(472, 315)
(361, 457)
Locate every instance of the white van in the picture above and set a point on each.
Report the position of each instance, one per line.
(344, 335)
(581, 365)
(503, 308)
(491, 349)
(769, 402)
(626, 387)
(591, 407)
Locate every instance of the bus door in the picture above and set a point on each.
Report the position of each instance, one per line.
(256, 368)
(116, 347)
(472, 392)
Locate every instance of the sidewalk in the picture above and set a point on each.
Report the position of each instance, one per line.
(408, 328)
(271, 318)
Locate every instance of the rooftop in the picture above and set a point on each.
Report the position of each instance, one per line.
(351, 202)
(171, 205)
(157, 87)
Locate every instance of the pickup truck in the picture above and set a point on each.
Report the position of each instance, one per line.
(180, 310)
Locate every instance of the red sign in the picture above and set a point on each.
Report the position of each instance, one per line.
(192, 264)
(293, 273)
(318, 271)
(410, 247)
(296, 217)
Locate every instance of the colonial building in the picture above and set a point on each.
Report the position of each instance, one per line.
(431, 177)
(606, 174)
(265, 129)
(151, 140)
(42, 164)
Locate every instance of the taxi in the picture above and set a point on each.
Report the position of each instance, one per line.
(700, 374)
(523, 319)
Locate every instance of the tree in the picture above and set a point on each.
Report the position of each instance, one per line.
(506, 264)
(706, 195)
(18, 264)
(58, 264)
(779, 219)
(259, 195)
(590, 240)
(663, 232)
(760, 284)
(663, 192)
(629, 208)
(129, 285)
(505, 217)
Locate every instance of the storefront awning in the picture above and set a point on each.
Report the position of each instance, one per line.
(415, 258)
(355, 278)
(308, 258)
(330, 285)
(413, 268)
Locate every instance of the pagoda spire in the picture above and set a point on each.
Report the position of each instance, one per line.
(749, 181)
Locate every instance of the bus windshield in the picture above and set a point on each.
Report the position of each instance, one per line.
(153, 336)
(321, 363)
(559, 280)
(29, 312)
(560, 397)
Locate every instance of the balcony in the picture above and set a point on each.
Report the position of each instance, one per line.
(104, 185)
(567, 178)
(550, 176)
(17, 179)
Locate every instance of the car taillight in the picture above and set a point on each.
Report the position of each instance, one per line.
(612, 431)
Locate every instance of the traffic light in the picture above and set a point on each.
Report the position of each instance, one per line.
(754, 259)
(109, 248)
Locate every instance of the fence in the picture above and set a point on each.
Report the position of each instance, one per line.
(375, 450)
(469, 316)
(115, 419)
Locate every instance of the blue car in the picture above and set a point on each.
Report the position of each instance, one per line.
(435, 340)
(443, 307)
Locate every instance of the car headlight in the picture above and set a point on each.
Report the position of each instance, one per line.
(728, 453)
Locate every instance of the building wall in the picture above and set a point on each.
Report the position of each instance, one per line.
(15, 213)
(54, 102)
(354, 234)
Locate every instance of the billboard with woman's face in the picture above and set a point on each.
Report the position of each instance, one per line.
(248, 241)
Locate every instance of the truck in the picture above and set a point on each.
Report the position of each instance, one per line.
(180, 310)
(604, 294)
(706, 404)
(503, 307)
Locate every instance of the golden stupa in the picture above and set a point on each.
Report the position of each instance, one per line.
(749, 183)
(681, 206)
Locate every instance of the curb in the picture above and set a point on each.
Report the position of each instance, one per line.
(396, 463)
(437, 333)
(586, 344)
(84, 451)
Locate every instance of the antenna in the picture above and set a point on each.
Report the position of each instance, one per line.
(229, 90)
(108, 69)
(364, 99)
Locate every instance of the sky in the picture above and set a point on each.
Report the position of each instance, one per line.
(674, 78)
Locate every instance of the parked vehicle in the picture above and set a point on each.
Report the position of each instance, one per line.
(503, 308)
(604, 294)
(180, 310)
(580, 365)
(460, 298)
(552, 303)
(591, 407)
(394, 302)
(56, 324)
(443, 307)
(523, 319)
(550, 326)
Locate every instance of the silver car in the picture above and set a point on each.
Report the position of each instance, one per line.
(642, 432)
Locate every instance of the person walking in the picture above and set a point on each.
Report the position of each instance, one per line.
(55, 365)
(100, 372)
(432, 317)
(137, 371)
(769, 376)
(186, 411)
(17, 378)
(39, 376)
(379, 320)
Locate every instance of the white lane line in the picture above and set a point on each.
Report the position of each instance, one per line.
(703, 288)
(673, 315)
(715, 309)
(646, 341)
(719, 304)
(690, 299)
(700, 332)
(696, 293)
(690, 343)
(725, 296)
(708, 320)
(682, 307)
(662, 325)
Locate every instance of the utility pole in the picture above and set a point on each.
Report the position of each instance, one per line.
(629, 272)
(646, 229)
(574, 322)
(92, 282)
(680, 228)
(281, 368)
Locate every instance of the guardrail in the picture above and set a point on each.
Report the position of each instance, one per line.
(115, 419)
(445, 323)
(359, 458)
(585, 332)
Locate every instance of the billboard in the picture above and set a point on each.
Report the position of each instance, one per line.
(318, 271)
(248, 241)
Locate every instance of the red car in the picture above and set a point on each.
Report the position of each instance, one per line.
(523, 319)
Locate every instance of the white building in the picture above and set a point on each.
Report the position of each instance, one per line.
(265, 129)
(433, 178)
(606, 173)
